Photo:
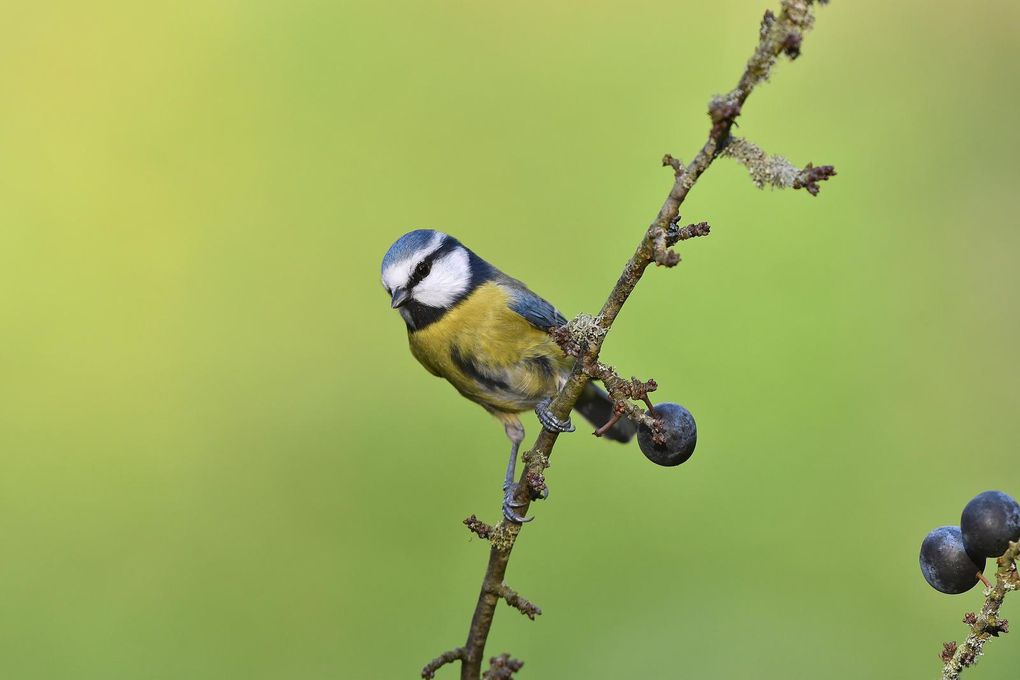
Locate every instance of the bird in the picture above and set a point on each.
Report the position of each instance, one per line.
(488, 335)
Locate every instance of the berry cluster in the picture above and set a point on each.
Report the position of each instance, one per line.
(672, 439)
(953, 557)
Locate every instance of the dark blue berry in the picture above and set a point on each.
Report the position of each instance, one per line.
(673, 439)
(945, 563)
(989, 522)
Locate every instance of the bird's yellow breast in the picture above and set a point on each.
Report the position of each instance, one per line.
(490, 353)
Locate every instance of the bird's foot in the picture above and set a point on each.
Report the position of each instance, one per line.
(510, 503)
(549, 421)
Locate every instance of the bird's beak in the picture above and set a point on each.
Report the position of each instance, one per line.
(400, 296)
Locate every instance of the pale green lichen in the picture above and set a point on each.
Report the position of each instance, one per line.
(504, 535)
(775, 171)
(586, 329)
(535, 460)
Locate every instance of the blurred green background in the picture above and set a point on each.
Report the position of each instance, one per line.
(219, 460)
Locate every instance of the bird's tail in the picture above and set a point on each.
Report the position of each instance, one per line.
(597, 408)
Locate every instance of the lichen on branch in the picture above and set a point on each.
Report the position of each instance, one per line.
(776, 171)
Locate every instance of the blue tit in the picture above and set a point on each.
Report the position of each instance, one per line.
(488, 335)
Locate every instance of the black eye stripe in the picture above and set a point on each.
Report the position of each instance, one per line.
(420, 272)
(423, 268)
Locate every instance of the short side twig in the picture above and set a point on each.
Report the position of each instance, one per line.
(431, 667)
(776, 171)
(517, 602)
(478, 527)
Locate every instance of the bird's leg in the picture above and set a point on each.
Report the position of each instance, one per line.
(515, 432)
(548, 420)
(510, 501)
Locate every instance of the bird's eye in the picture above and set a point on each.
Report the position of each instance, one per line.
(422, 270)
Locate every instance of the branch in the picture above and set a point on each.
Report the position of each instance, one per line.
(583, 337)
(623, 392)
(987, 624)
(776, 170)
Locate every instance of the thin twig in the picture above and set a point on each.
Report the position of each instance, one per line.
(517, 602)
(987, 624)
(583, 338)
(613, 420)
(623, 391)
(684, 233)
(431, 667)
(478, 527)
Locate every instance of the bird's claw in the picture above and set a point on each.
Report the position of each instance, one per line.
(510, 502)
(512, 516)
(549, 421)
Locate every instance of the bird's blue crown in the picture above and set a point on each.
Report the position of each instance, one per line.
(410, 243)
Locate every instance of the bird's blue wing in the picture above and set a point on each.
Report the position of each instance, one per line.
(537, 311)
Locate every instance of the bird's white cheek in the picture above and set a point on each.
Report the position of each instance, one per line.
(449, 278)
